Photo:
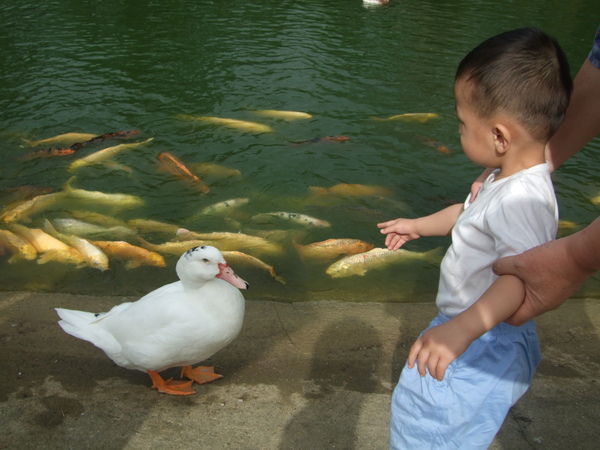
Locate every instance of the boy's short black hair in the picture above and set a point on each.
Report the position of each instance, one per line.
(523, 73)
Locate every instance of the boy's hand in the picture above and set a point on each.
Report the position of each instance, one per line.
(399, 232)
(437, 348)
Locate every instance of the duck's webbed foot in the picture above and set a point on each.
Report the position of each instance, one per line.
(200, 374)
(169, 386)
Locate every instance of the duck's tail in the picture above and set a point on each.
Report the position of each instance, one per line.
(76, 323)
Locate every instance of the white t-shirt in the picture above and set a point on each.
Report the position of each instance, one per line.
(508, 216)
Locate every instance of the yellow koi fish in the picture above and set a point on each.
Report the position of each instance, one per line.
(214, 170)
(92, 255)
(351, 190)
(35, 205)
(232, 241)
(101, 198)
(360, 263)
(332, 248)
(171, 248)
(133, 255)
(20, 248)
(50, 247)
(410, 117)
(152, 226)
(241, 125)
(105, 154)
(284, 115)
(66, 138)
(235, 257)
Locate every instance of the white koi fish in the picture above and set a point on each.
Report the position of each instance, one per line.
(298, 218)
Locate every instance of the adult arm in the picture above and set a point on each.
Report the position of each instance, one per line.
(582, 119)
(552, 272)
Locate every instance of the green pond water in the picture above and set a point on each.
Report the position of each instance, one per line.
(101, 67)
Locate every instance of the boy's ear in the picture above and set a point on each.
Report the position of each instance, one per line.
(502, 138)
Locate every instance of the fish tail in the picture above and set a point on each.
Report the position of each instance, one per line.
(434, 256)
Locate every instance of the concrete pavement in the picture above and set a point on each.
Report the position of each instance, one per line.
(314, 375)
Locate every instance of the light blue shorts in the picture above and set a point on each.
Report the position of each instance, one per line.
(466, 409)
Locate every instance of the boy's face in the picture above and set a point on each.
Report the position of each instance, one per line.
(476, 135)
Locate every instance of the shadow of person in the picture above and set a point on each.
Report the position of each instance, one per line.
(344, 361)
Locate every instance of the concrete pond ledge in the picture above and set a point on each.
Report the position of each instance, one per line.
(314, 375)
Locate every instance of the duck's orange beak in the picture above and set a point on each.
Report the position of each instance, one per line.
(226, 273)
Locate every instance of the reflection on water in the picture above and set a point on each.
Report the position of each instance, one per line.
(119, 65)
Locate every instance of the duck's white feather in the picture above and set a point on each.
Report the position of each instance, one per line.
(179, 324)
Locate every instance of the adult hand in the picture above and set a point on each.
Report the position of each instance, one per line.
(550, 276)
(476, 186)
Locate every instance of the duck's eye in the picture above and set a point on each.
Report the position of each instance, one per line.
(205, 260)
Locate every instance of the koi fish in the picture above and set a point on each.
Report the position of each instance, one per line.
(33, 206)
(152, 226)
(301, 219)
(232, 241)
(410, 117)
(133, 255)
(595, 200)
(241, 125)
(50, 247)
(105, 154)
(92, 255)
(86, 229)
(224, 207)
(285, 115)
(20, 248)
(97, 218)
(360, 263)
(326, 139)
(435, 145)
(66, 138)
(235, 257)
(332, 248)
(171, 248)
(174, 166)
(101, 198)
(12, 197)
(213, 169)
(351, 189)
(47, 153)
(104, 137)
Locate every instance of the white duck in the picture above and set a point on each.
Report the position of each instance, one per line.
(179, 324)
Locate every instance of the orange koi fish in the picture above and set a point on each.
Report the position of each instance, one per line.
(435, 145)
(326, 139)
(48, 153)
(174, 166)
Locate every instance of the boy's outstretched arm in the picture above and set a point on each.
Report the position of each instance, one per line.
(400, 231)
(442, 344)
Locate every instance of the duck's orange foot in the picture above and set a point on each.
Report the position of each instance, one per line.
(200, 374)
(169, 386)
